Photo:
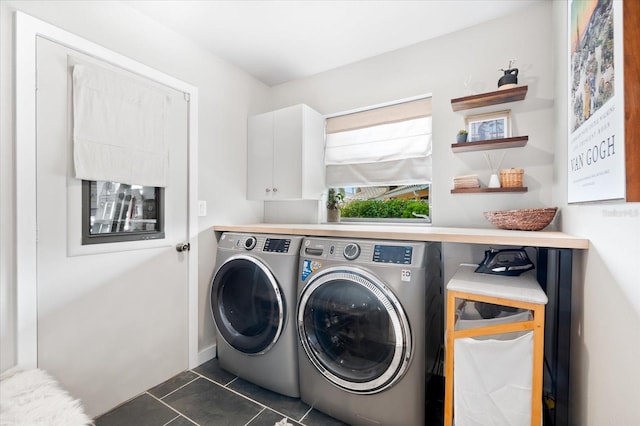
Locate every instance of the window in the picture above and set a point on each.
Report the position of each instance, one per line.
(380, 159)
(404, 203)
(113, 212)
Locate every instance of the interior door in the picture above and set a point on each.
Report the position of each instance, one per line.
(112, 321)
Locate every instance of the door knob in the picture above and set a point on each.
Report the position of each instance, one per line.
(180, 247)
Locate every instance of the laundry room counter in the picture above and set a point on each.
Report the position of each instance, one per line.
(551, 239)
(553, 270)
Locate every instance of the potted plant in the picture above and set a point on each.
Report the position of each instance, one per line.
(462, 136)
(334, 202)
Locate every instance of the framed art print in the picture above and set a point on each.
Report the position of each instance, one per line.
(495, 125)
(596, 154)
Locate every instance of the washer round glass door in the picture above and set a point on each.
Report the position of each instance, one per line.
(247, 305)
(354, 330)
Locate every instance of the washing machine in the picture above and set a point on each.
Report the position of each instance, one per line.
(253, 302)
(361, 328)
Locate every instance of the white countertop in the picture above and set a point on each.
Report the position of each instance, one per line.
(549, 239)
(523, 288)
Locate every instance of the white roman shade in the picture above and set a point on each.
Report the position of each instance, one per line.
(390, 145)
(118, 128)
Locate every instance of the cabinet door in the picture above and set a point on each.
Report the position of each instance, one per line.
(260, 157)
(287, 149)
(312, 154)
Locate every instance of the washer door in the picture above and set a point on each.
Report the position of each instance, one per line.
(247, 305)
(354, 330)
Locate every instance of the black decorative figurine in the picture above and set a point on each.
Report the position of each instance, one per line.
(509, 79)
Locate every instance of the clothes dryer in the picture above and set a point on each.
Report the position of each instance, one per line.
(361, 328)
(253, 302)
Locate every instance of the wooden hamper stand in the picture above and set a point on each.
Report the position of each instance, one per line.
(500, 290)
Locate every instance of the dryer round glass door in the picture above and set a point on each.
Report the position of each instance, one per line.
(247, 305)
(354, 330)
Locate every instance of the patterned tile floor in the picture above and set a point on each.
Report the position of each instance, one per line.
(210, 396)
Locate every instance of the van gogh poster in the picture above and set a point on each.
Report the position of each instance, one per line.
(596, 169)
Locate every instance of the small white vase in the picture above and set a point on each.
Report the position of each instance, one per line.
(494, 181)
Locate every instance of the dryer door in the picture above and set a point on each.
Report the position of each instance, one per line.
(247, 305)
(354, 330)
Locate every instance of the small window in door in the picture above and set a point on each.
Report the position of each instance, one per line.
(114, 212)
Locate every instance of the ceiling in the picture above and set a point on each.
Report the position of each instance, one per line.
(284, 40)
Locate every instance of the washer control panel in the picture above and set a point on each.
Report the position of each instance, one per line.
(364, 251)
(392, 254)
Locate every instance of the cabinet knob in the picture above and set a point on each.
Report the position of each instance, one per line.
(267, 190)
(275, 189)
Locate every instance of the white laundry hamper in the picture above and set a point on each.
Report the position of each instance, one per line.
(493, 374)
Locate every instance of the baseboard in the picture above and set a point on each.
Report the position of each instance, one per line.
(207, 354)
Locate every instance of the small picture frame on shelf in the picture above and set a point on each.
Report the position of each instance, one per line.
(484, 127)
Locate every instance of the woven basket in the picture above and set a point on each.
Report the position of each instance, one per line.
(522, 220)
(511, 178)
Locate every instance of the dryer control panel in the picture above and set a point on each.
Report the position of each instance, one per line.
(277, 245)
(286, 245)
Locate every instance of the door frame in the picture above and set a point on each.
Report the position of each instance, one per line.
(27, 29)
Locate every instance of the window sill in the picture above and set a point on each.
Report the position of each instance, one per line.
(390, 221)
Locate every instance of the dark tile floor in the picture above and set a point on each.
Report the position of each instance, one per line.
(210, 396)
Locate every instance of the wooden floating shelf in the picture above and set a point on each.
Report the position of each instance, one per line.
(479, 190)
(515, 142)
(490, 98)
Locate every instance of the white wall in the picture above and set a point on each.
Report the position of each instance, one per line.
(7, 183)
(606, 314)
(227, 96)
(441, 67)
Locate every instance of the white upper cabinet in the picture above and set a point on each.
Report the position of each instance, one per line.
(285, 154)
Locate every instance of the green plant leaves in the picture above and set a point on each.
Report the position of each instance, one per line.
(395, 208)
